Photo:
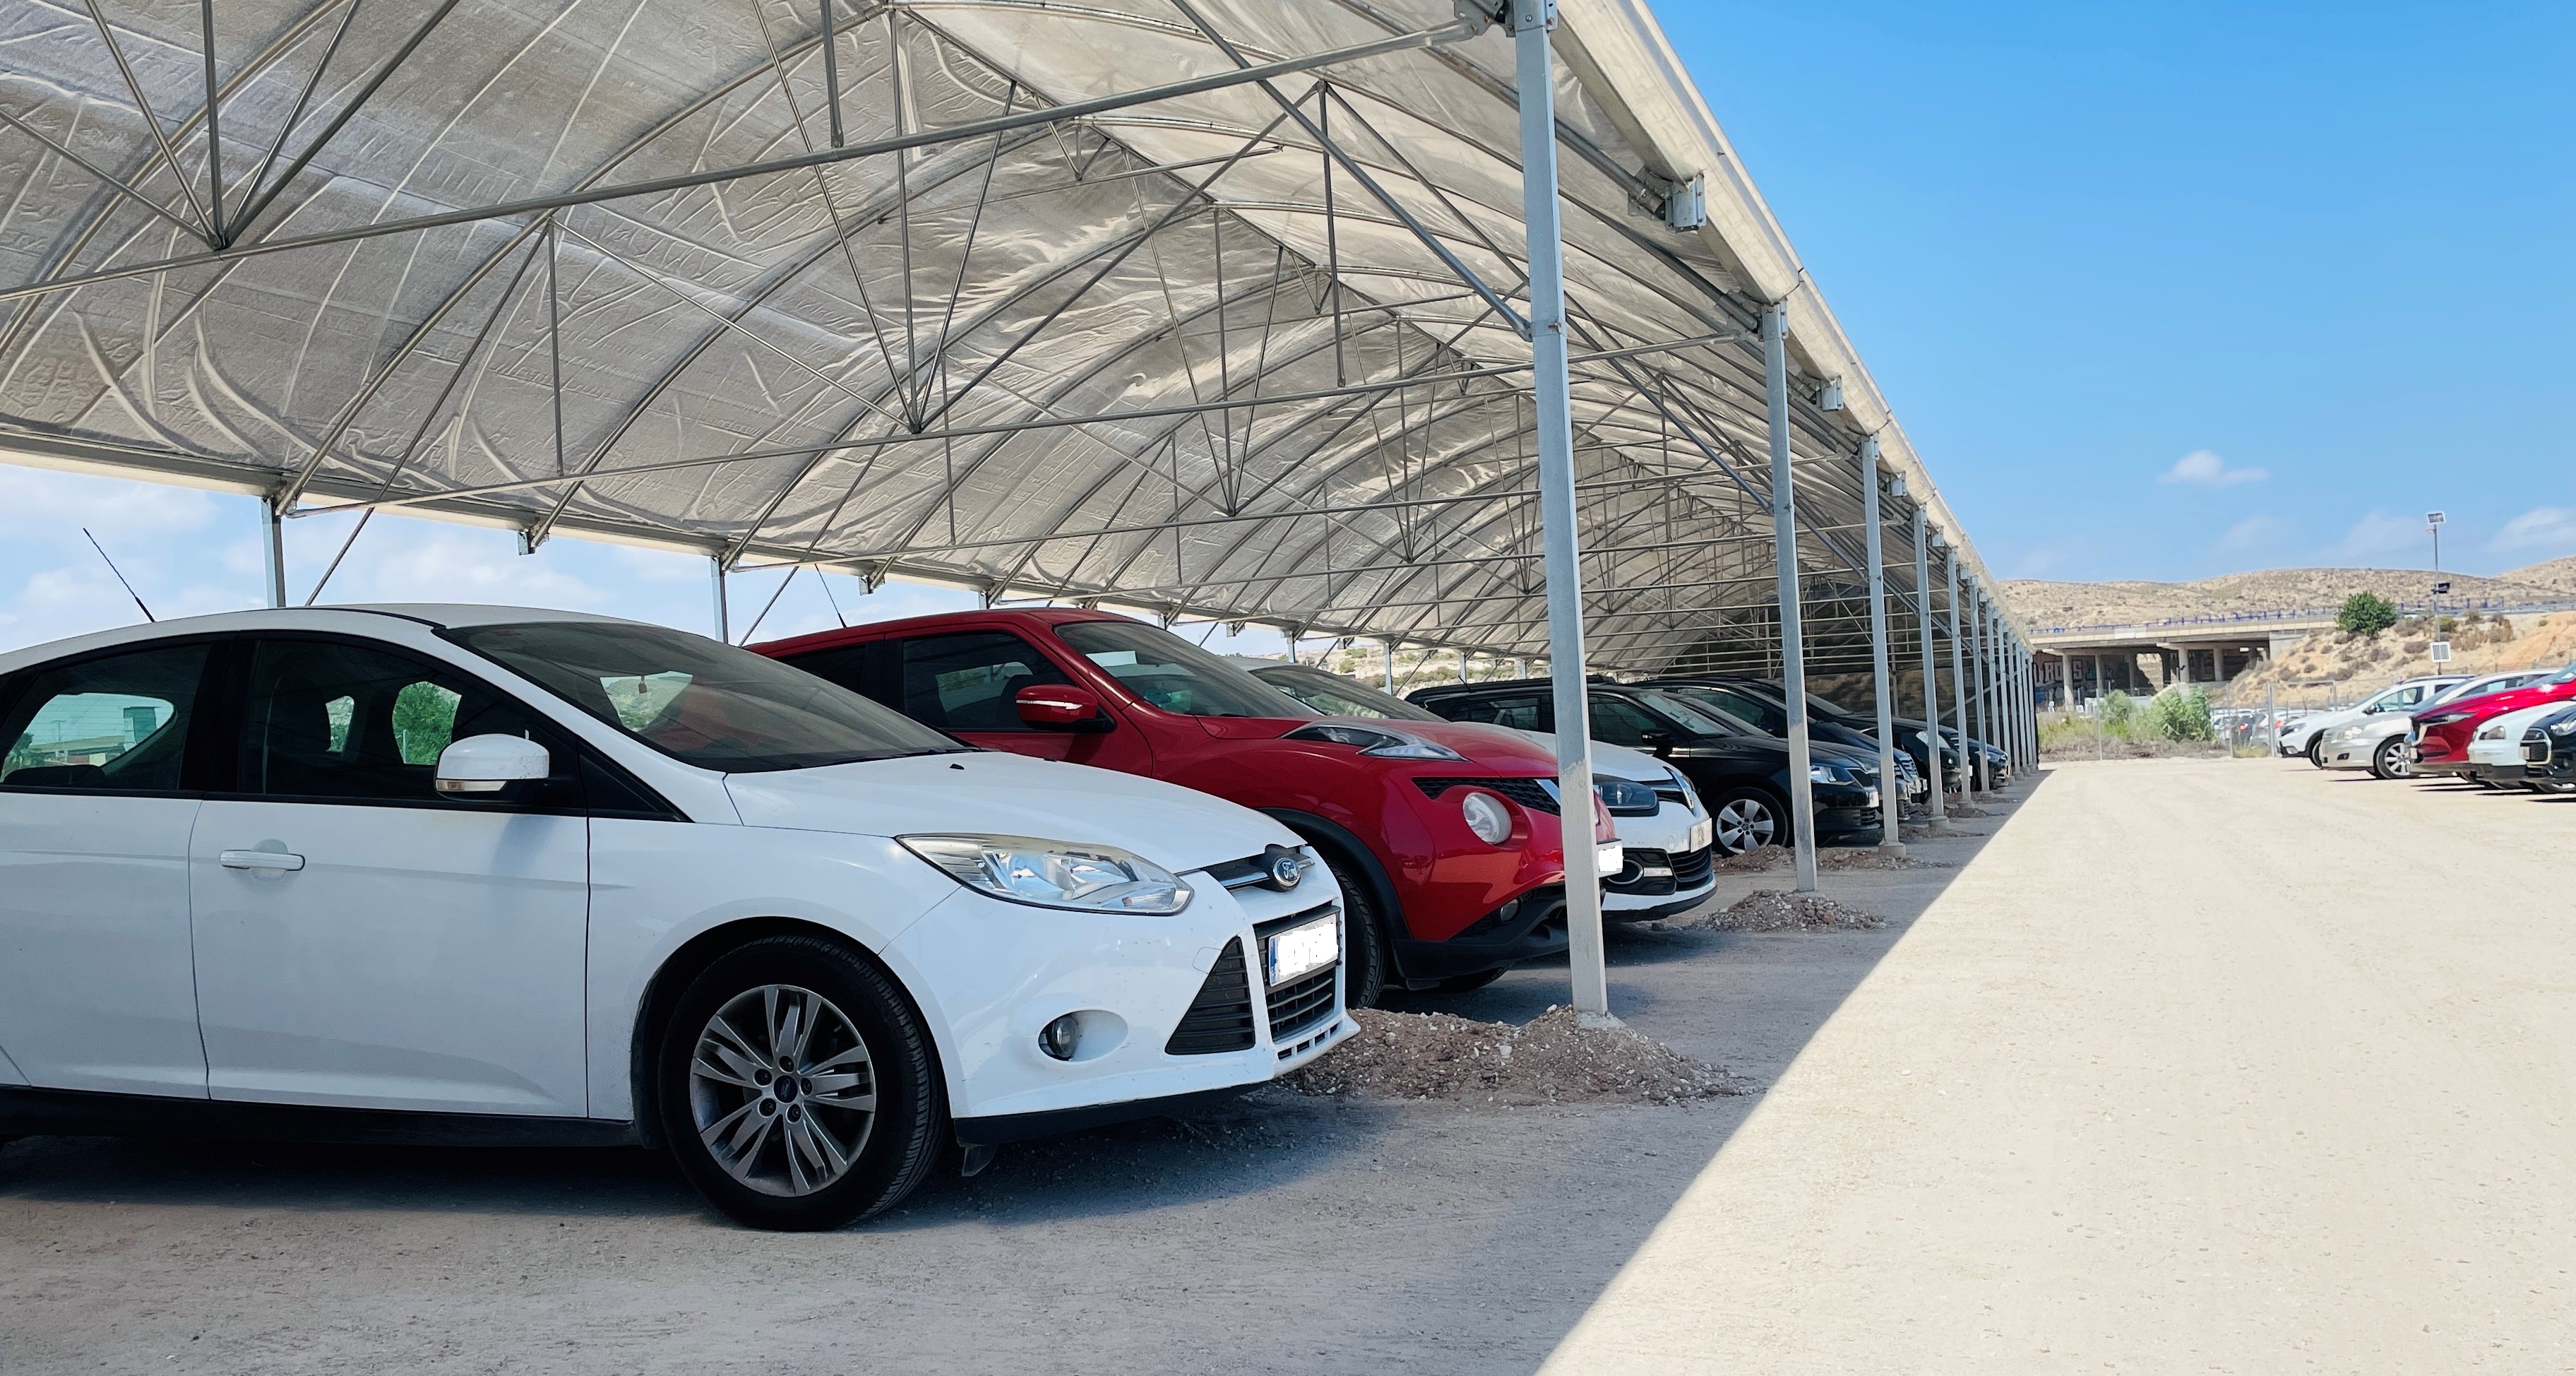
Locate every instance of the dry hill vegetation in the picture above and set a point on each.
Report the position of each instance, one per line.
(2041, 604)
(2478, 644)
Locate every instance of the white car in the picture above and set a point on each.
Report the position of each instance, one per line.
(2306, 736)
(2379, 743)
(507, 875)
(1669, 863)
(2495, 753)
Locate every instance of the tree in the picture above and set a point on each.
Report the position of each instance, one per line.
(2183, 716)
(2366, 613)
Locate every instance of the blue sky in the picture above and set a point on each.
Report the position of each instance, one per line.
(2160, 291)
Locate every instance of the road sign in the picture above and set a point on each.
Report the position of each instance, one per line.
(2441, 652)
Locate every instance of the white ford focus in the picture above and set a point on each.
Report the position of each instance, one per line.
(491, 874)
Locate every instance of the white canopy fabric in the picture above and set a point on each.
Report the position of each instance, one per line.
(1283, 312)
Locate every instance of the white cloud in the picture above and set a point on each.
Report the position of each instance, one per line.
(2253, 532)
(2543, 529)
(2380, 534)
(44, 502)
(2203, 468)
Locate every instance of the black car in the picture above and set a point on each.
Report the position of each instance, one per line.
(1912, 733)
(2549, 752)
(1760, 704)
(1741, 774)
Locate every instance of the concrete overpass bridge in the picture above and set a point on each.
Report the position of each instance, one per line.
(2077, 663)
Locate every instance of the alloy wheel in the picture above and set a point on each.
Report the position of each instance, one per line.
(1744, 824)
(782, 1090)
(2393, 760)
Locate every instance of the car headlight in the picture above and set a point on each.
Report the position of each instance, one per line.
(1054, 874)
(1827, 772)
(1625, 798)
(2492, 733)
(1486, 816)
(2441, 719)
(2564, 728)
(1383, 742)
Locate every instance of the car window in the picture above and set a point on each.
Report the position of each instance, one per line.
(115, 724)
(700, 701)
(1519, 711)
(1618, 721)
(1749, 713)
(1172, 674)
(339, 719)
(1336, 696)
(968, 681)
(1690, 716)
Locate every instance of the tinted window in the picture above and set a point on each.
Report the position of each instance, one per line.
(1518, 711)
(1690, 716)
(698, 701)
(1336, 696)
(117, 724)
(968, 682)
(1618, 721)
(337, 719)
(1175, 675)
(1748, 711)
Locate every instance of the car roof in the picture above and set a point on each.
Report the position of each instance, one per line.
(990, 616)
(433, 614)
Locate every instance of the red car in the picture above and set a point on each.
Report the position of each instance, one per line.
(2442, 733)
(1443, 835)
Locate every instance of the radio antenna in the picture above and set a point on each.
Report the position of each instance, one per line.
(120, 575)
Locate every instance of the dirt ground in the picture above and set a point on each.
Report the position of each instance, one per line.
(1341, 1233)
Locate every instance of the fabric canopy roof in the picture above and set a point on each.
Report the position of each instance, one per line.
(538, 264)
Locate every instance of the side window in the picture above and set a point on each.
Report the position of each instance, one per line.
(1520, 713)
(333, 719)
(967, 681)
(117, 724)
(1759, 715)
(1619, 722)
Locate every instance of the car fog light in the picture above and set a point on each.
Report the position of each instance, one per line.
(1058, 1038)
(1487, 817)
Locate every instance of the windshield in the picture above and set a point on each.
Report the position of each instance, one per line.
(699, 701)
(1172, 674)
(1336, 696)
(1726, 708)
(1697, 720)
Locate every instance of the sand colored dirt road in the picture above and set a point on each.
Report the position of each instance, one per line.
(2201, 1066)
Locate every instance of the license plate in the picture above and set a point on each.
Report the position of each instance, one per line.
(1304, 950)
(1702, 832)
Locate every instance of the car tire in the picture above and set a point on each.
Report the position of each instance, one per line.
(799, 1152)
(2317, 750)
(1747, 819)
(1368, 960)
(1468, 984)
(2389, 760)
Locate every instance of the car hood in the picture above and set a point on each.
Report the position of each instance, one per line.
(1492, 746)
(1612, 761)
(997, 793)
(2487, 706)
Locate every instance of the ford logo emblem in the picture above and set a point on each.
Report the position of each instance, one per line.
(1283, 866)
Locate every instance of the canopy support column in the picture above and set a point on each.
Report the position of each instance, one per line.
(724, 615)
(1784, 544)
(272, 531)
(1553, 405)
(1940, 823)
(1980, 685)
(1959, 678)
(1891, 802)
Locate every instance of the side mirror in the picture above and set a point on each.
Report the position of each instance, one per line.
(1061, 707)
(1660, 742)
(497, 768)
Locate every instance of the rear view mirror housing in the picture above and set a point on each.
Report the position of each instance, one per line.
(1061, 707)
(493, 768)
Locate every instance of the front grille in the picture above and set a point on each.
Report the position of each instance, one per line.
(1220, 1018)
(1691, 868)
(1308, 999)
(1538, 795)
(1632, 879)
(2535, 749)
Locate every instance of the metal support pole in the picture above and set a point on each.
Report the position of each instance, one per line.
(1389, 643)
(1784, 544)
(1979, 685)
(724, 615)
(1891, 830)
(1959, 683)
(832, 72)
(1553, 404)
(272, 527)
(1462, 666)
(1931, 671)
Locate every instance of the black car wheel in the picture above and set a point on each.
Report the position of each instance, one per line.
(1368, 962)
(798, 1089)
(2317, 750)
(1747, 819)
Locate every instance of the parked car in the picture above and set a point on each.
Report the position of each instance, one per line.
(1443, 838)
(2549, 751)
(1759, 705)
(1741, 774)
(2378, 743)
(1664, 832)
(494, 874)
(2307, 736)
(2443, 729)
(2495, 751)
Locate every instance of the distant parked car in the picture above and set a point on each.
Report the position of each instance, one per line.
(2495, 752)
(1664, 833)
(2307, 737)
(2442, 730)
(2549, 750)
(2377, 743)
(1760, 704)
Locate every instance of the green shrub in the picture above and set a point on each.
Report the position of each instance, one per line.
(2182, 716)
(2366, 613)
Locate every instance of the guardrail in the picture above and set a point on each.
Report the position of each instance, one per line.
(2484, 606)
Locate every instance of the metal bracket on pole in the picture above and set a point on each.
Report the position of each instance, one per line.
(1891, 833)
(1553, 406)
(1784, 542)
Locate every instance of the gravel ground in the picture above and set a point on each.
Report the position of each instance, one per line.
(1552, 1059)
(1350, 1232)
(1778, 910)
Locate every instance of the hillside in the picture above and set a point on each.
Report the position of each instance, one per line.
(2042, 604)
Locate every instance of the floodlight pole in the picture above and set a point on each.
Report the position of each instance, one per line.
(272, 529)
(1891, 832)
(1553, 405)
(1784, 545)
(1940, 824)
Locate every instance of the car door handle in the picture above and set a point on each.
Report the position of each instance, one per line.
(260, 860)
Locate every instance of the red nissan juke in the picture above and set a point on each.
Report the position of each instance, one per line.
(1443, 836)
(2443, 732)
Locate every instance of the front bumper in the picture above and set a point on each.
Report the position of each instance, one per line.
(1658, 883)
(1530, 927)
